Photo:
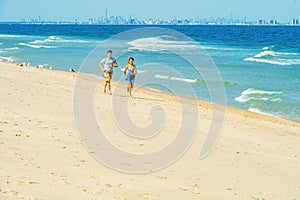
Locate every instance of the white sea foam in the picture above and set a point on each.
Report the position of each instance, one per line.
(269, 56)
(259, 95)
(266, 48)
(11, 49)
(175, 78)
(142, 72)
(265, 53)
(256, 110)
(276, 100)
(155, 90)
(220, 48)
(11, 36)
(160, 44)
(268, 53)
(57, 39)
(282, 62)
(36, 46)
(6, 59)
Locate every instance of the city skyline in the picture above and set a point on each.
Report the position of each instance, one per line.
(14, 10)
(108, 19)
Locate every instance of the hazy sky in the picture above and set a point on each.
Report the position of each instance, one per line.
(15, 10)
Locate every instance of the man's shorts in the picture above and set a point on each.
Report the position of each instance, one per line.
(108, 76)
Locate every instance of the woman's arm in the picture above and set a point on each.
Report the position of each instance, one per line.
(125, 70)
(135, 70)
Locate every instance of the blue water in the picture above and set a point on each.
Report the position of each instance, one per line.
(260, 65)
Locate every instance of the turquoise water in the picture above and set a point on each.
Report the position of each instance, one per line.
(260, 65)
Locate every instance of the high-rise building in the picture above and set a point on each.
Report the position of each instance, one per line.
(261, 22)
(106, 14)
(272, 22)
(295, 21)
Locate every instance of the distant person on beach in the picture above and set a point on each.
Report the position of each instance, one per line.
(107, 64)
(130, 72)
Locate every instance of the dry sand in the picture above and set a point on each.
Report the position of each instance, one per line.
(42, 156)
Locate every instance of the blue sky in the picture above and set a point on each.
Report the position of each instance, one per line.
(15, 10)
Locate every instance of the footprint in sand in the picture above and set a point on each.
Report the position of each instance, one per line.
(230, 189)
(183, 188)
(108, 185)
(33, 182)
(257, 198)
(195, 189)
(161, 177)
(147, 195)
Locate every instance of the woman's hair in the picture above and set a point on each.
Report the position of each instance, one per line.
(130, 58)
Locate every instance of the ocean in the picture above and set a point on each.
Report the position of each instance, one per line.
(259, 65)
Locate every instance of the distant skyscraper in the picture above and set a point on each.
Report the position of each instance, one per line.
(272, 22)
(106, 14)
(261, 22)
(295, 22)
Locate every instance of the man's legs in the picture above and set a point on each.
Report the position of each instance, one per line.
(109, 87)
(105, 85)
(109, 82)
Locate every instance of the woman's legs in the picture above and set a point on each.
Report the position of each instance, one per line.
(129, 88)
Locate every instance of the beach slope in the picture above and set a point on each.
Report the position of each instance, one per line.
(42, 156)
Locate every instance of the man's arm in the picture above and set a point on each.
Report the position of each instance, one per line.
(100, 65)
(114, 65)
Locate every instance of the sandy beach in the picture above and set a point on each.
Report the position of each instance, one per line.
(42, 156)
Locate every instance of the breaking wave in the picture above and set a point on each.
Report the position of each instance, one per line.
(36, 46)
(258, 95)
(162, 43)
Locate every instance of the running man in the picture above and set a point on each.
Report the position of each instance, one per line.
(107, 64)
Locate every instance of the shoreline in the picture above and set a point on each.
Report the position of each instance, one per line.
(202, 102)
